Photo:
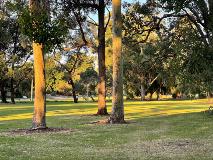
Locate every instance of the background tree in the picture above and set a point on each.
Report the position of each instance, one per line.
(74, 63)
(55, 82)
(88, 81)
(14, 45)
(142, 59)
(179, 23)
(76, 7)
(3, 77)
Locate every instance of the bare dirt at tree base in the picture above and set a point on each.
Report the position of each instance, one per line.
(38, 131)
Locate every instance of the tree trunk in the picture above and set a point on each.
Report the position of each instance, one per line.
(102, 109)
(142, 90)
(39, 116)
(150, 98)
(117, 115)
(12, 97)
(3, 92)
(31, 91)
(75, 98)
(210, 2)
(92, 98)
(158, 95)
(87, 92)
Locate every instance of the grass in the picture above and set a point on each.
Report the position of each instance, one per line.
(157, 130)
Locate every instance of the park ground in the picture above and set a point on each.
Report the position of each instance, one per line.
(154, 130)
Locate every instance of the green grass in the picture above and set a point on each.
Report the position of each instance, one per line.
(156, 130)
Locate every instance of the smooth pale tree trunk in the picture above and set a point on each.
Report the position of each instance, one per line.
(117, 115)
(142, 90)
(31, 91)
(102, 109)
(39, 115)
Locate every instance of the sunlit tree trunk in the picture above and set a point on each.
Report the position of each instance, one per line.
(117, 115)
(102, 109)
(39, 119)
(39, 115)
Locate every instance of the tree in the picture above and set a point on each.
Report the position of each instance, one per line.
(75, 62)
(198, 17)
(46, 28)
(14, 48)
(183, 43)
(102, 109)
(3, 77)
(198, 12)
(39, 115)
(100, 5)
(140, 66)
(3, 63)
(117, 115)
(88, 83)
(193, 76)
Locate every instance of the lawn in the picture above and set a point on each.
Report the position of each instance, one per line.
(155, 130)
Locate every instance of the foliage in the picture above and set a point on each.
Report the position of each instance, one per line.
(15, 51)
(55, 77)
(88, 82)
(186, 64)
(41, 26)
(180, 50)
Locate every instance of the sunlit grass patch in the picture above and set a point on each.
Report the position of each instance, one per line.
(133, 109)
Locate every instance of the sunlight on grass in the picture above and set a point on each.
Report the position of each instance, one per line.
(133, 109)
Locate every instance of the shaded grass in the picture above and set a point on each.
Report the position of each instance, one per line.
(157, 130)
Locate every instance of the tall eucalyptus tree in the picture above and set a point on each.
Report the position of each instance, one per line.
(117, 115)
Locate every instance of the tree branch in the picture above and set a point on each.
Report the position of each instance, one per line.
(109, 17)
(93, 21)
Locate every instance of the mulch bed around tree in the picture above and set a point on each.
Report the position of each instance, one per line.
(95, 115)
(41, 130)
(106, 121)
